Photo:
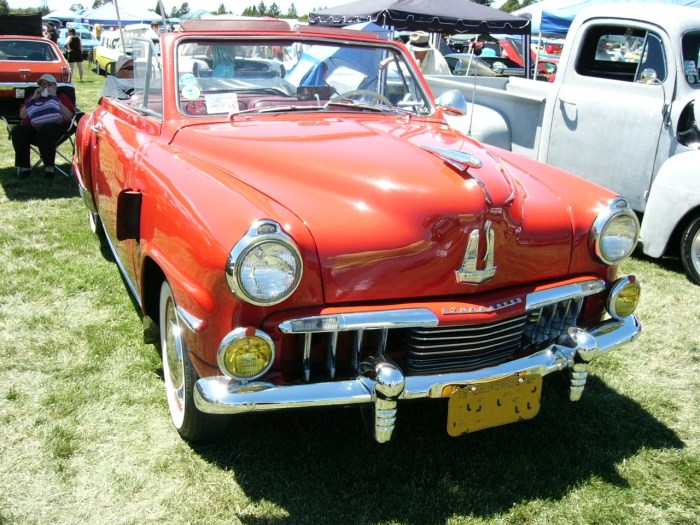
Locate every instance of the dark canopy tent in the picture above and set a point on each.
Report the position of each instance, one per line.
(435, 16)
(28, 25)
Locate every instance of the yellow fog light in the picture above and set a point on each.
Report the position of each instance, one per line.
(624, 297)
(246, 354)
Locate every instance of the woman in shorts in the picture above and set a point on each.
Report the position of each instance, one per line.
(74, 50)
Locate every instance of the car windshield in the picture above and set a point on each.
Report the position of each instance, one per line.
(225, 76)
(27, 50)
(691, 57)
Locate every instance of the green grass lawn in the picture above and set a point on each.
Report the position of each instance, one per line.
(85, 435)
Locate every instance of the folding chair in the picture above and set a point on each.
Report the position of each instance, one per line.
(68, 136)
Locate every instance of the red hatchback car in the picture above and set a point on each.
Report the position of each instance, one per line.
(23, 59)
(292, 210)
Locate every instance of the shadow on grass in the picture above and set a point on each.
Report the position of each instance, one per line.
(669, 263)
(318, 464)
(36, 186)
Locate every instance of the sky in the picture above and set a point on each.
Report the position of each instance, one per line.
(235, 6)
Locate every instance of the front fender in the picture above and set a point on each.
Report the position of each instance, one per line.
(82, 160)
(674, 193)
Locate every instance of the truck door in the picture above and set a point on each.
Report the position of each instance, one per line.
(610, 109)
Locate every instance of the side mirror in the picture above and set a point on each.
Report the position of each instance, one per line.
(648, 76)
(452, 101)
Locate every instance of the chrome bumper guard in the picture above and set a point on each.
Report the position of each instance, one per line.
(381, 381)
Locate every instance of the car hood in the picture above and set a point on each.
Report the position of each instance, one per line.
(390, 212)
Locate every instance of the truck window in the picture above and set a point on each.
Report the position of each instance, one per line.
(653, 58)
(620, 53)
(690, 44)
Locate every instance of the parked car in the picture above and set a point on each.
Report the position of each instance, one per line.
(108, 52)
(317, 236)
(23, 59)
(468, 64)
(88, 40)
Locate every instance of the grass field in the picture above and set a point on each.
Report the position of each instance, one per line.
(85, 435)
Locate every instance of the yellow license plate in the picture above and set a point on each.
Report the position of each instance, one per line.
(493, 403)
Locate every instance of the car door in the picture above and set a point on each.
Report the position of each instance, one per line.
(113, 155)
(609, 112)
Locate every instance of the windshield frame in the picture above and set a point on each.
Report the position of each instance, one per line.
(404, 75)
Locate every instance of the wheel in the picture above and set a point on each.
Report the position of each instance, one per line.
(109, 70)
(180, 376)
(98, 69)
(690, 250)
(363, 93)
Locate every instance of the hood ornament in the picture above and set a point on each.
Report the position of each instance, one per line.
(469, 272)
(461, 161)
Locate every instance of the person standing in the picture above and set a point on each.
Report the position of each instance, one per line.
(74, 50)
(51, 32)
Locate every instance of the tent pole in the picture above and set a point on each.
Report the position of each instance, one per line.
(526, 55)
(537, 55)
(121, 30)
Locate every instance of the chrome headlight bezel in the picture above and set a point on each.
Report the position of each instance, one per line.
(236, 335)
(617, 212)
(261, 233)
(619, 290)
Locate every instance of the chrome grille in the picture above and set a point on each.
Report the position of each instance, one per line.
(462, 347)
(327, 352)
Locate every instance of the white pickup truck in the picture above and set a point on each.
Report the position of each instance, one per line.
(623, 111)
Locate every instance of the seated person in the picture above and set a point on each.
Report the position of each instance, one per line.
(45, 116)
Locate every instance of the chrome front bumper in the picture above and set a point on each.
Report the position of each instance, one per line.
(381, 381)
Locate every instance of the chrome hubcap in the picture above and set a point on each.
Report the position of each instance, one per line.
(173, 363)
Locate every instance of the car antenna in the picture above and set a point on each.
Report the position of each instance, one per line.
(472, 47)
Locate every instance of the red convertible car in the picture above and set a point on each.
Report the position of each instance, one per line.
(292, 211)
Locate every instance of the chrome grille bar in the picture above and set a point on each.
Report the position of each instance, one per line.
(332, 349)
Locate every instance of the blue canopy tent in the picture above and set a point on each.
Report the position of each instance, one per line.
(107, 16)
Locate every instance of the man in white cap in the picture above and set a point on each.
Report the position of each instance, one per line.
(429, 59)
(45, 115)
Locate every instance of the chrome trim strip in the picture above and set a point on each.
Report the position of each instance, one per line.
(360, 320)
(130, 284)
(544, 298)
(219, 395)
(86, 196)
(192, 323)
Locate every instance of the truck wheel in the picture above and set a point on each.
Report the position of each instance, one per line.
(180, 376)
(690, 250)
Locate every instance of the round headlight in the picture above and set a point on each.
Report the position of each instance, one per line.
(615, 232)
(245, 354)
(264, 268)
(624, 297)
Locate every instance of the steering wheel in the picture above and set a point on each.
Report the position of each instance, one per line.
(363, 93)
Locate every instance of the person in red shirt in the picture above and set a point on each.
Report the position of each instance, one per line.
(45, 116)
